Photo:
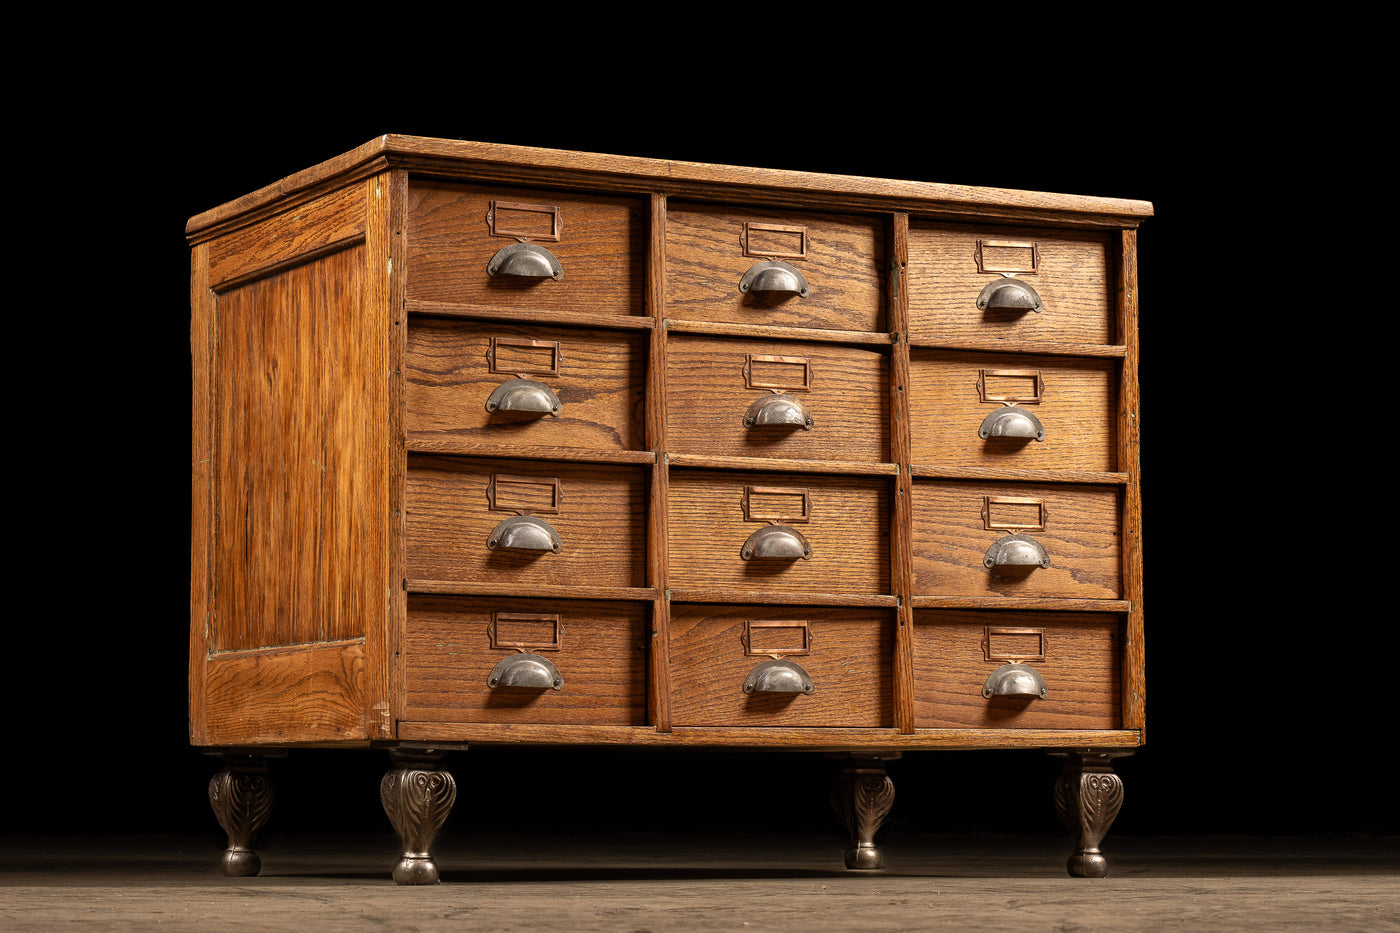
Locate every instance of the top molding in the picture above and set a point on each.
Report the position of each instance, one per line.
(449, 158)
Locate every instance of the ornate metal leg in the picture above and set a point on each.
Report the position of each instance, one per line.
(863, 796)
(241, 796)
(417, 796)
(1088, 795)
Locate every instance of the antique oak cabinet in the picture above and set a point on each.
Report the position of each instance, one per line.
(507, 445)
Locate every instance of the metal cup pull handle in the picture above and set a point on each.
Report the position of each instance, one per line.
(1016, 551)
(1015, 680)
(1008, 295)
(778, 676)
(525, 533)
(776, 542)
(525, 672)
(777, 410)
(525, 261)
(1011, 421)
(774, 277)
(525, 395)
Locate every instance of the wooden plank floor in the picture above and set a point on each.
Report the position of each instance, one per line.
(758, 883)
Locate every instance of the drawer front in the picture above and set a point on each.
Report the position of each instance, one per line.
(454, 232)
(468, 382)
(960, 657)
(457, 506)
(956, 524)
(750, 398)
(714, 519)
(840, 260)
(954, 398)
(453, 646)
(951, 266)
(845, 654)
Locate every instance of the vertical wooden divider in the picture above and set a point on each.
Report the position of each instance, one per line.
(1134, 688)
(201, 485)
(901, 516)
(389, 227)
(658, 566)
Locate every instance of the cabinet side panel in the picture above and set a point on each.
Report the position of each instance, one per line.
(291, 399)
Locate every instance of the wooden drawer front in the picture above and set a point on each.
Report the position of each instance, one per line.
(600, 244)
(846, 524)
(1080, 536)
(949, 266)
(845, 652)
(1076, 654)
(712, 385)
(453, 367)
(1075, 401)
(599, 513)
(453, 644)
(842, 259)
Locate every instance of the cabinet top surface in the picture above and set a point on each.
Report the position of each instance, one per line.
(447, 158)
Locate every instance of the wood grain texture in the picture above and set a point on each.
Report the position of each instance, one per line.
(602, 658)
(448, 376)
(848, 533)
(305, 230)
(1129, 439)
(1074, 283)
(843, 268)
(658, 550)
(707, 396)
(1078, 411)
(849, 663)
(601, 521)
(601, 247)
(901, 451)
(1081, 537)
(312, 693)
(201, 483)
(828, 739)
(479, 160)
(1080, 668)
(300, 456)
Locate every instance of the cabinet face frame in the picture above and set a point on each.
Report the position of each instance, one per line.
(241, 691)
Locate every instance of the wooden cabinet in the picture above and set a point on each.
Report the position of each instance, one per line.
(501, 445)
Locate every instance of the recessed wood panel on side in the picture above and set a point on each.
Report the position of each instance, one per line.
(299, 457)
(310, 693)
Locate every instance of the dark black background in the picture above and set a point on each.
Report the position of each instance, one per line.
(1260, 719)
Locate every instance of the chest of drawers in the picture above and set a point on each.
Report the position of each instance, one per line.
(505, 445)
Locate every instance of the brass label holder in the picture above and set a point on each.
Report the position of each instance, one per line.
(998, 512)
(757, 642)
(519, 631)
(762, 371)
(516, 351)
(1008, 257)
(774, 241)
(767, 504)
(1012, 644)
(520, 220)
(986, 384)
(523, 494)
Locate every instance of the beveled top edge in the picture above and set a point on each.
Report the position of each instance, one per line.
(451, 156)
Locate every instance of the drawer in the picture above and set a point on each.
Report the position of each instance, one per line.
(456, 647)
(746, 532)
(455, 231)
(962, 656)
(954, 398)
(597, 515)
(468, 382)
(844, 654)
(839, 260)
(950, 267)
(750, 398)
(957, 524)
